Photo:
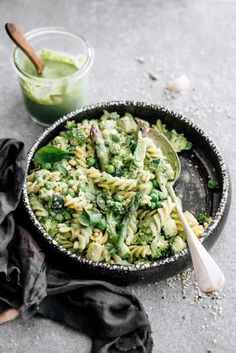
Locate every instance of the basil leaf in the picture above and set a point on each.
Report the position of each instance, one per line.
(84, 218)
(89, 218)
(50, 154)
(95, 218)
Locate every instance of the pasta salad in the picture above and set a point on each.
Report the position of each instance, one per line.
(99, 190)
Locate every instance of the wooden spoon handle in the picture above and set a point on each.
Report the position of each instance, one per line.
(208, 275)
(20, 40)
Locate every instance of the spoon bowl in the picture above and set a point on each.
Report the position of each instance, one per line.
(208, 275)
(161, 141)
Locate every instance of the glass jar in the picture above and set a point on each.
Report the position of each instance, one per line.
(48, 97)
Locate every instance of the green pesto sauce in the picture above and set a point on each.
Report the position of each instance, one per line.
(47, 102)
(56, 65)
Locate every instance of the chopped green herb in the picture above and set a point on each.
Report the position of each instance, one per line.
(152, 77)
(203, 218)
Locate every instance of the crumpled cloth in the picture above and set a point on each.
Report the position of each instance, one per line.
(112, 316)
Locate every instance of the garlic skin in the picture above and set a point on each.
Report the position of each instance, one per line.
(180, 84)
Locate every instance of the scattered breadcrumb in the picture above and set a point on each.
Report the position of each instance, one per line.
(180, 84)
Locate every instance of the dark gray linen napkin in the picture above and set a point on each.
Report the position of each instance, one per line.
(112, 316)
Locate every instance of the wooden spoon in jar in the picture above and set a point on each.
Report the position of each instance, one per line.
(18, 37)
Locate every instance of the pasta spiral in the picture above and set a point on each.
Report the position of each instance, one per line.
(140, 250)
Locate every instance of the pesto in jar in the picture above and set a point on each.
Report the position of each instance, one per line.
(57, 91)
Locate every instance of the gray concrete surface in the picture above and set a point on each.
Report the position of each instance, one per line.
(195, 38)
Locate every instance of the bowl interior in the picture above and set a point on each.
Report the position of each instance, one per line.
(202, 162)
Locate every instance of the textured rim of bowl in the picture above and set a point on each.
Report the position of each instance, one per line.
(217, 217)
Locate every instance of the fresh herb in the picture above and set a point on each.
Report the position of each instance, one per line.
(51, 154)
(84, 218)
(152, 77)
(212, 184)
(203, 218)
(102, 224)
(88, 218)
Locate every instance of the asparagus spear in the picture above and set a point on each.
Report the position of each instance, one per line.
(134, 204)
(140, 151)
(101, 151)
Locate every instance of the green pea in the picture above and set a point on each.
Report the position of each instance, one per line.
(59, 218)
(153, 205)
(115, 138)
(102, 224)
(119, 198)
(110, 169)
(91, 161)
(47, 185)
(46, 166)
(67, 215)
(154, 197)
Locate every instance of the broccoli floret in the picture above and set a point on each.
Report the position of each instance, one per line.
(179, 142)
(75, 136)
(109, 204)
(117, 162)
(143, 238)
(50, 226)
(178, 244)
(118, 208)
(164, 171)
(114, 148)
(160, 247)
(202, 218)
(70, 125)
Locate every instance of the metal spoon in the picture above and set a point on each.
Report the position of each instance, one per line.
(18, 37)
(208, 275)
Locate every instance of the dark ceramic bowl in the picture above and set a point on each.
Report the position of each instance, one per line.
(202, 162)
